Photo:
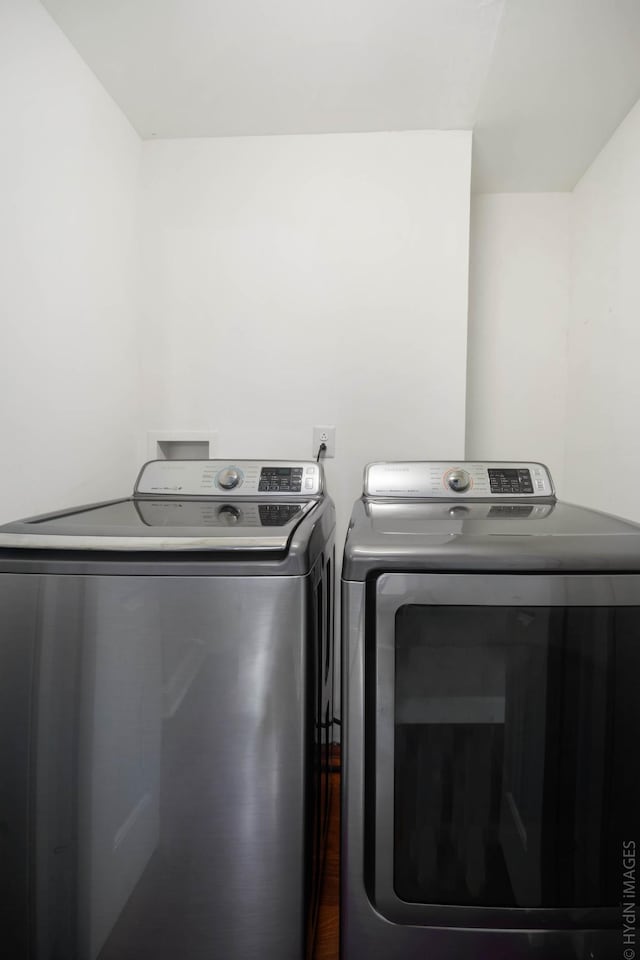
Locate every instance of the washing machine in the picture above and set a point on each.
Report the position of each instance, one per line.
(166, 700)
(490, 677)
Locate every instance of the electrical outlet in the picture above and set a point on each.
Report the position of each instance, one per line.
(324, 435)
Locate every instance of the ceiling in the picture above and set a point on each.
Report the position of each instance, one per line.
(543, 83)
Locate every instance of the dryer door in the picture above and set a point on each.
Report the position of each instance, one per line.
(506, 769)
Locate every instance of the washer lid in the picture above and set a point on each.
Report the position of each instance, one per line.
(212, 505)
(157, 524)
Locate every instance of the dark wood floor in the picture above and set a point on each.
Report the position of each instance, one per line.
(326, 945)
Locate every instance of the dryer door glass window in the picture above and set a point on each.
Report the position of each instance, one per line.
(514, 754)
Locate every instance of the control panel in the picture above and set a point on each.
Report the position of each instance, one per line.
(510, 480)
(281, 479)
(470, 480)
(218, 478)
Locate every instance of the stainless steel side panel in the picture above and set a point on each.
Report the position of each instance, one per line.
(153, 732)
(365, 932)
(18, 632)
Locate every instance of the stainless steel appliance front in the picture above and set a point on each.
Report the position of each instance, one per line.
(489, 790)
(165, 719)
(157, 745)
(490, 662)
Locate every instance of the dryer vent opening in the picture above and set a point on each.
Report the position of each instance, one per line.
(182, 450)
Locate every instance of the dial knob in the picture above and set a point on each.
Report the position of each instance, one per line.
(229, 478)
(458, 480)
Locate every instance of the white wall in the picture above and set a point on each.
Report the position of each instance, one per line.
(68, 364)
(554, 331)
(518, 320)
(603, 436)
(293, 281)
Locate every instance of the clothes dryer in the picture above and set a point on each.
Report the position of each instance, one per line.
(166, 690)
(491, 663)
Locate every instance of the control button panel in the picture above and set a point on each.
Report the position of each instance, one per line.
(280, 480)
(510, 480)
(465, 480)
(216, 478)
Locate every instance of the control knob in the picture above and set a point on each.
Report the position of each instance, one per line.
(458, 480)
(228, 478)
